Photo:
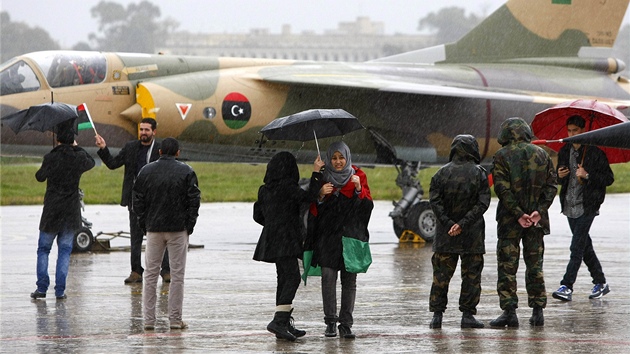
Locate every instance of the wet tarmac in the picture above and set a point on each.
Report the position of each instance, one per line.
(229, 298)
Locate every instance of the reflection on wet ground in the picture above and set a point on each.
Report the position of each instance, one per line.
(229, 299)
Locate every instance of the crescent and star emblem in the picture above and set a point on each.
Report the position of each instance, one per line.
(238, 109)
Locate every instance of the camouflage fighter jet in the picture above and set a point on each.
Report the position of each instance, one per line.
(523, 58)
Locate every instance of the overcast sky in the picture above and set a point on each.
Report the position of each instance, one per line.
(70, 21)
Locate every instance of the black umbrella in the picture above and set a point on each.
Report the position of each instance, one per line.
(42, 117)
(614, 136)
(312, 124)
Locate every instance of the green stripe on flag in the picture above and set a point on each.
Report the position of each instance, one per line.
(561, 2)
(85, 125)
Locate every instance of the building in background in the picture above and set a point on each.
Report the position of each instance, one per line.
(357, 41)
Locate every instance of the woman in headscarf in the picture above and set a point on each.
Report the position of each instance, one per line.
(343, 208)
(278, 210)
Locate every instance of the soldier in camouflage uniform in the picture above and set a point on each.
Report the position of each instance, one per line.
(525, 182)
(459, 197)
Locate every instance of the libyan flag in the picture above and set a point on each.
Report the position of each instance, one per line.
(85, 120)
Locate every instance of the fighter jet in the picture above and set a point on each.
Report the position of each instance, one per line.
(523, 58)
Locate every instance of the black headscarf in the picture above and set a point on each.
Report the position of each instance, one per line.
(282, 166)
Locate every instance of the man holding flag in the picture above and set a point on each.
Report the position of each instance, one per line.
(134, 155)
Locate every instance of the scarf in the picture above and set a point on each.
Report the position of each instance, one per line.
(338, 178)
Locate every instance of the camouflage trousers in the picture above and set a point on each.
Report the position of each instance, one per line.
(444, 265)
(508, 252)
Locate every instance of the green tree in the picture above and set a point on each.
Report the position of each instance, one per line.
(449, 24)
(17, 38)
(135, 28)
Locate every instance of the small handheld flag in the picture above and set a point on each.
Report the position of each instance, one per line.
(85, 120)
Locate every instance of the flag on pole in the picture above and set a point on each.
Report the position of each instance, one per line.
(85, 120)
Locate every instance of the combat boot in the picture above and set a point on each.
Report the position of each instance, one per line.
(436, 321)
(537, 318)
(508, 318)
(291, 328)
(469, 321)
(279, 325)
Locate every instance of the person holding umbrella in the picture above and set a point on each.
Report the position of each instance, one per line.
(61, 218)
(583, 173)
(278, 210)
(341, 214)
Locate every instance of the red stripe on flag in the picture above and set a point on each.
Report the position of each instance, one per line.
(235, 96)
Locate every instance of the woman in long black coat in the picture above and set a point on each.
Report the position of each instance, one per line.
(343, 209)
(278, 210)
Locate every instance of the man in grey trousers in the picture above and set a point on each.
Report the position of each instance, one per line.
(166, 198)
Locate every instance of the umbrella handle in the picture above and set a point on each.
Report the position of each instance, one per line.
(316, 143)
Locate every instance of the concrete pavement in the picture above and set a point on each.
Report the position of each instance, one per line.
(229, 298)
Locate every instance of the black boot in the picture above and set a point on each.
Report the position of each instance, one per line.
(469, 321)
(508, 318)
(294, 331)
(537, 318)
(346, 332)
(279, 325)
(331, 330)
(436, 321)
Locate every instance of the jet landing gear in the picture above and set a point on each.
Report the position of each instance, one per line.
(83, 239)
(411, 212)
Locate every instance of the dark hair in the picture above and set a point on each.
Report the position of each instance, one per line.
(577, 121)
(65, 136)
(169, 146)
(150, 121)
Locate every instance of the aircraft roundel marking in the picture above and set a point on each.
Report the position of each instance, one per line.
(183, 109)
(236, 110)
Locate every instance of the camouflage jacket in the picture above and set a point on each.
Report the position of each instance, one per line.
(460, 194)
(524, 179)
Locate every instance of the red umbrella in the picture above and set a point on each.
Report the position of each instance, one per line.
(551, 124)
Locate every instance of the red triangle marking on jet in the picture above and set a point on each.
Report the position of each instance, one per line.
(183, 109)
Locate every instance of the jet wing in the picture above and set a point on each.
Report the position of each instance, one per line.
(371, 79)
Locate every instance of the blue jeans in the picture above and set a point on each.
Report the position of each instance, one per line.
(582, 250)
(65, 240)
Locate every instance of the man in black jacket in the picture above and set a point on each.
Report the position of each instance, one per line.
(61, 218)
(134, 155)
(584, 173)
(166, 199)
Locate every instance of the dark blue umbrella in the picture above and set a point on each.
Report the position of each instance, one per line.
(312, 124)
(615, 136)
(613, 140)
(42, 117)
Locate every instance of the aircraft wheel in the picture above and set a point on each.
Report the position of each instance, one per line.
(83, 240)
(422, 220)
(398, 229)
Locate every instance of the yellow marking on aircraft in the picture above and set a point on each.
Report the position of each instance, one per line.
(145, 100)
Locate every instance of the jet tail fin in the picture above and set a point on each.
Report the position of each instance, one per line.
(533, 29)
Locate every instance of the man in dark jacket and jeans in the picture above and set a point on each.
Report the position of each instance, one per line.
(134, 155)
(459, 197)
(61, 217)
(584, 174)
(166, 199)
